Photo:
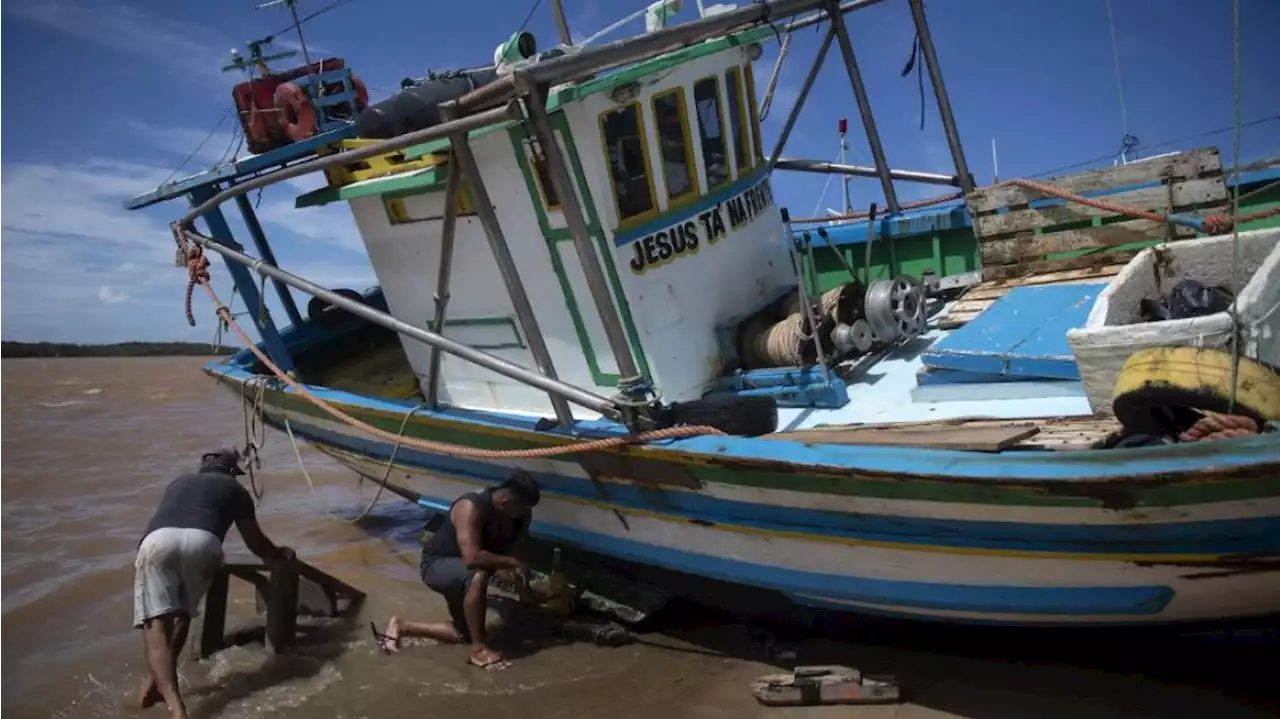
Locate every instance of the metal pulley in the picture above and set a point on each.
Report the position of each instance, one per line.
(895, 308)
(856, 337)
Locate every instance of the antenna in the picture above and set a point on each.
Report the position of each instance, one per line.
(844, 148)
(256, 58)
(995, 163)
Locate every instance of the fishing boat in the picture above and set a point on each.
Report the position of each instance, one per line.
(583, 272)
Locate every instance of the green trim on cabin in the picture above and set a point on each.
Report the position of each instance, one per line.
(553, 236)
(656, 65)
(812, 480)
(441, 144)
(508, 322)
(427, 179)
(556, 101)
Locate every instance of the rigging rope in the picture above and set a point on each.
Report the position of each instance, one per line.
(203, 142)
(382, 483)
(1233, 309)
(197, 266)
(1129, 141)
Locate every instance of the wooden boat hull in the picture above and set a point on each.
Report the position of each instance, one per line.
(1186, 533)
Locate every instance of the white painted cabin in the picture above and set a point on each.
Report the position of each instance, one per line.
(667, 159)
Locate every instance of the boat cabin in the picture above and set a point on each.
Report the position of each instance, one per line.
(668, 162)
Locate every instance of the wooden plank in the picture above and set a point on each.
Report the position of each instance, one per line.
(981, 439)
(282, 606)
(966, 306)
(1186, 165)
(1015, 249)
(1186, 195)
(992, 289)
(1093, 262)
(1022, 334)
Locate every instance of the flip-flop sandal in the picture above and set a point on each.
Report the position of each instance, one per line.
(384, 641)
(495, 663)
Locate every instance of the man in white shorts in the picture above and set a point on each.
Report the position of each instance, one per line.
(178, 558)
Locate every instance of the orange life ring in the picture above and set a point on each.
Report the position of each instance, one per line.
(362, 93)
(297, 116)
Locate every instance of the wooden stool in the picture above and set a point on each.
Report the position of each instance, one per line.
(278, 582)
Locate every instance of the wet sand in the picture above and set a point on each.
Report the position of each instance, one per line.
(90, 443)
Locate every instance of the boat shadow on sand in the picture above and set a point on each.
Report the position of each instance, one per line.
(977, 672)
(994, 673)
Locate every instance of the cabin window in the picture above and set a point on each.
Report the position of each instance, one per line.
(542, 175)
(706, 100)
(755, 113)
(624, 145)
(738, 120)
(398, 212)
(675, 148)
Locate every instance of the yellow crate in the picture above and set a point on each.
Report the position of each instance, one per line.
(391, 163)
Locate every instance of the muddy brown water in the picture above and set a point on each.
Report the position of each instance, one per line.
(89, 444)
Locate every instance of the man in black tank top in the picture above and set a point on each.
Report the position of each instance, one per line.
(479, 539)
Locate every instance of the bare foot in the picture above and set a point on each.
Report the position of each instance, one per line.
(148, 695)
(393, 633)
(488, 659)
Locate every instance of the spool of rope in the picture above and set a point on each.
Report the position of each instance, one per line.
(786, 343)
(895, 308)
(845, 304)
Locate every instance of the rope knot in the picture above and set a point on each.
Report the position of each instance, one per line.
(1220, 426)
(1216, 225)
(197, 273)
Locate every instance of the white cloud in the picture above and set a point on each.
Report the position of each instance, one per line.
(182, 48)
(80, 200)
(73, 256)
(111, 295)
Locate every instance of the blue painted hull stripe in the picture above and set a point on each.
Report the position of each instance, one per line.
(1093, 623)
(1135, 600)
(1115, 464)
(1214, 537)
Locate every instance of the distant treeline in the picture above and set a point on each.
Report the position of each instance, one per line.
(121, 349)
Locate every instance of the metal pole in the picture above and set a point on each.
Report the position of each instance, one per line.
(268, 255)
(509, 111)
(772, 85)
(447, 226)
(506, 264)
(848, 266)
(562, 25)
(576, 66)
(561, 180)
(864, 105)
(817, 17)
(835, 168)
(590, 400)
(940, 93)
(790, 124)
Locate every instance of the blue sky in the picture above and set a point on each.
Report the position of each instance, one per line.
(115, 95)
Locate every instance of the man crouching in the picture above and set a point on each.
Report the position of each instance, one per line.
(178, 558)
(479, 540)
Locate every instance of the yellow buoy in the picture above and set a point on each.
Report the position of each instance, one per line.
(1163, 388)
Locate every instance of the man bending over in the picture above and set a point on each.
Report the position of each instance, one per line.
(478, 540)
(178, 558)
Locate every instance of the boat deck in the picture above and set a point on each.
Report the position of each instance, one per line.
(886, 391)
